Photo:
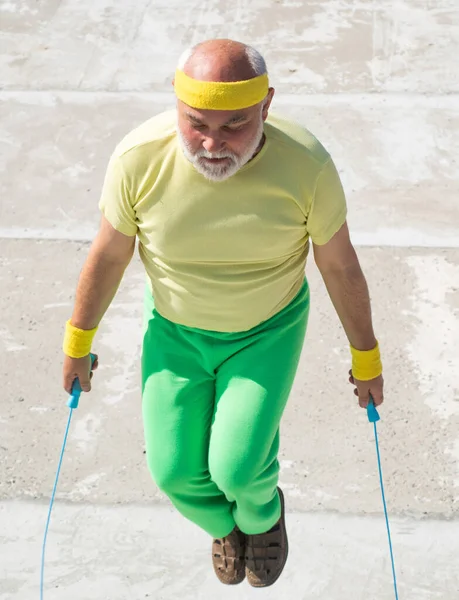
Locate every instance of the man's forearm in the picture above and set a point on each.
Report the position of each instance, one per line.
(349, 294)
(98, 283)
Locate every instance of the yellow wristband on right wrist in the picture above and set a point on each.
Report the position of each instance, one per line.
(77, 342)
(366, 364)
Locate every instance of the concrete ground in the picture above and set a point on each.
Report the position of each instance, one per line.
(377, 81)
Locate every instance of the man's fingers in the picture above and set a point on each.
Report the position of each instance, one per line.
(363, 403)
(378, 399)
(85, 382)
(68, 383)
(79, 368)
(364, 395)
(361, 391)
(369, 390)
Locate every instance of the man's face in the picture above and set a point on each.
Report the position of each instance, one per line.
(219, 142)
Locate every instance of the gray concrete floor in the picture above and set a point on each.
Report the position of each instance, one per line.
(378, 83)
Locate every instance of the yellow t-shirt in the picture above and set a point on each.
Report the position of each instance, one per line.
(223, 256)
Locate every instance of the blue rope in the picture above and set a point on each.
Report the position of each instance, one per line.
(42, 572)
(72, 403)
(373, 417)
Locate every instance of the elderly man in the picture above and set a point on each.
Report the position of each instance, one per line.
(225, 199)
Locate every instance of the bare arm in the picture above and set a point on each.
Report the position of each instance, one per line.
(101, 275)
(346, 285)
(99, 280)
(345, 282)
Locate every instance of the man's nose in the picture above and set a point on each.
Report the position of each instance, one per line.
(213, 143)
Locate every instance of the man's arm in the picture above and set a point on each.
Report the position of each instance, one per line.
(345, 282)
(101, 275)
(339, 266)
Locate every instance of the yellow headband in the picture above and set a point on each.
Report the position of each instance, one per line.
(210, 95)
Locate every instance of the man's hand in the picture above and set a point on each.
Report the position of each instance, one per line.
(81, 368)
(365, 388)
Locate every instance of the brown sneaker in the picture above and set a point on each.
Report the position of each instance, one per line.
(266, 553)
(228, 557)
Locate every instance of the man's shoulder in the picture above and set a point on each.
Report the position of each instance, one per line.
(296, 139)
(157, 131)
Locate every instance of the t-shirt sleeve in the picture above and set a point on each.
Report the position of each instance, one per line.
(116, 199)
(328, 210)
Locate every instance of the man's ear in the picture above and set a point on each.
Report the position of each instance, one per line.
(267, 103)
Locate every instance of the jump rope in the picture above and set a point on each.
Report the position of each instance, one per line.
(72, 403)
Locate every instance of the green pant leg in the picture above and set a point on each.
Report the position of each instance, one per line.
(253, 387)
(178, 404)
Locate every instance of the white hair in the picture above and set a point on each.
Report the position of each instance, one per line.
(255, 59)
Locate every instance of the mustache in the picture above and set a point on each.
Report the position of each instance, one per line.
(206, 154)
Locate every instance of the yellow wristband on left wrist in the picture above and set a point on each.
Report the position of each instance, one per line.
(366, 364)
(77, 342)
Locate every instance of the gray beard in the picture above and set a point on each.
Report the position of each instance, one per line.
(221, 172)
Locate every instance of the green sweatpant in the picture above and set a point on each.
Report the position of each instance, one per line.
(212, 406)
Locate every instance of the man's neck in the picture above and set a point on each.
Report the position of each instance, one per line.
(259, 147)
